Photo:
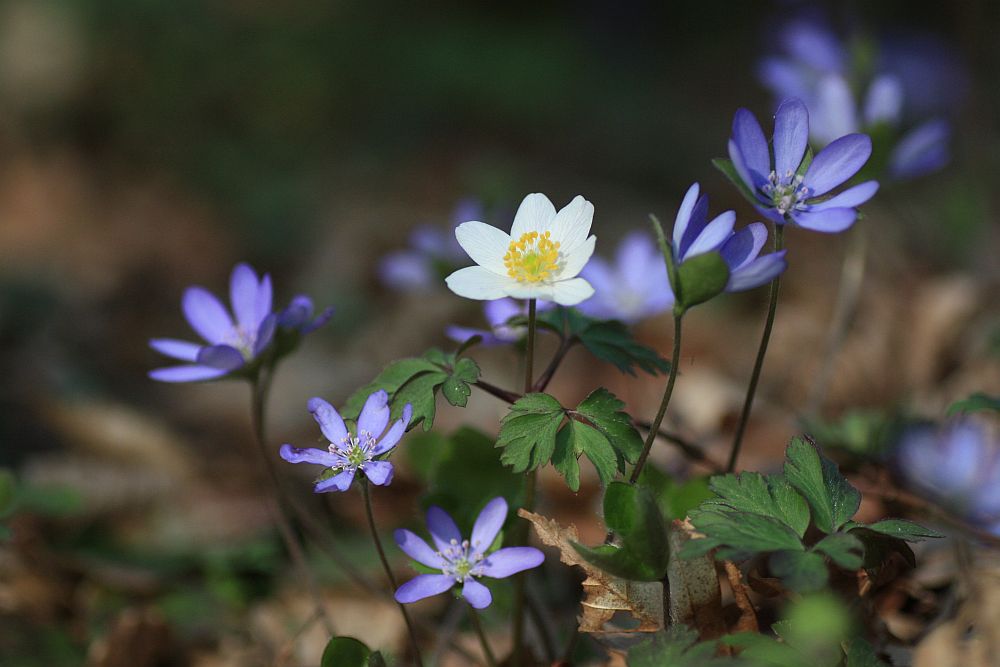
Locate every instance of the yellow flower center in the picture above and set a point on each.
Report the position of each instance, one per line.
(532, 258)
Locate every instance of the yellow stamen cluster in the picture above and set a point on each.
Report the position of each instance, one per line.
(532, 258)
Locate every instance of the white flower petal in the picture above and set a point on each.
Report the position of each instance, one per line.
(570, 292)
(476, 282)
(533, 215)
(486, 245)
(542, 291)
(577, 259)
(572, 224)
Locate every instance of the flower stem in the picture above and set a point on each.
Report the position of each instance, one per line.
(388, 570)
(531, 481)
(654, 427)
(259, 389)
(491, 660)
(779, 237)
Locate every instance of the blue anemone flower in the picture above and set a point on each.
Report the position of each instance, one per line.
(634, 287)
(782, 191)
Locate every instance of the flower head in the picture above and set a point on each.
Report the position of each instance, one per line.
(349, 452)
(634, 287)
(782, 189)
(539, 259)
(498, 313)
(461, 561)
(298, 316)
(693, 235)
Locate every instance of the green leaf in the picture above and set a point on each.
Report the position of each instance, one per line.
(879, 548)
(844, 549)
(421, 393)
(800, 571)
(576, 439)
(605, 411)
(903, 529)
(975, 403)
(675, 500)
(832, 498)
(763, 651)
(346, 652)
(739, 534)
(643, 555)
(769, 495)
(677, 646)
(611, 342)
(392, 377)
(728, 170)
(701, 278)
(528, 432)
(455, 388)
(861, 654)
(565, 459)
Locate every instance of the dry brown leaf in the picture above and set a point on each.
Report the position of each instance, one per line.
(695, 596)
(604, 595)
(741, 594)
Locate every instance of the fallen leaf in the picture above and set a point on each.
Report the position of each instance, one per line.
(695, 596)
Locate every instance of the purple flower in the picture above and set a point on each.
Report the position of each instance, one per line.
(958, 465)
(433, 253)
(631, 289)
(497, 313)
(232, 344)
(694, 235)
(298, 316)
(781, 189)
(347, 453)
(463, 561)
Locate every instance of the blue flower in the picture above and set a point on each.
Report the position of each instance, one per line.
(234, 344)
(349, 453)
(784, 194)
(462, 562)
(498, 313)
(631, 289)
(694, 235)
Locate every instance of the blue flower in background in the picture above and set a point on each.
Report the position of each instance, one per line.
(348, 453)
(497, 313)
(781, 192)
(462, 562)
(298, 316)
(434, 252)
(635, 287)
(693, 235)
(912, 81)
(958, 465)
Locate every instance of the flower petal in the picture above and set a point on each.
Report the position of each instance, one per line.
(462, 334)
(226, 357)
(392, 436)
(476, 594)
(884, 100)
(743, 246)
(511, 560)
(206, 314)
(683, 217)
(378, 473)
(488, 524)
(498, 312)
(714, 235)
(329, 420)
(417, 549)
(571, 224)
(442, 528)
(265, 333)
(321, 457)
(186, 373)
(830, 221)
(423, 586)
(339, 482)
(577, 258)
(243, 286)
(922, 150)
(837, 163)
(374, 415)
(533, 215)
(178, 349)
(486, 245)
(265, 294)
(757, 272)
(750, 143)
(834, 113)
(852, 197)
(569, 292)
(791, 136)
(476, 282)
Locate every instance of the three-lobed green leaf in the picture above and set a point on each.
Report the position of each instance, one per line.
(832, 498)
(349, 652)
(770, 495)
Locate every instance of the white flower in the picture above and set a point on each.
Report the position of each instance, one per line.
(539, 259)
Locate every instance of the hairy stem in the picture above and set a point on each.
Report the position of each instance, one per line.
(779, 236)
(491, 660)
(654, 426)
(388, 570)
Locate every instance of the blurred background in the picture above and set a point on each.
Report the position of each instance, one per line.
(148, 145)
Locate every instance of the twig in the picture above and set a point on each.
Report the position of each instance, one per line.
(690, 450)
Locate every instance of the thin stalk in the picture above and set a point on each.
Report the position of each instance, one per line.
(259, 389)
(654, 426)
(531, 481)
(491, 660)
(388, 570)
(779, 238)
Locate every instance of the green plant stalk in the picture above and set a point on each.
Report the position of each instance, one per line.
(388, 570)
(259, 389)
(491, 660)
(531, 482)
(654, 427)
(779, 238)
